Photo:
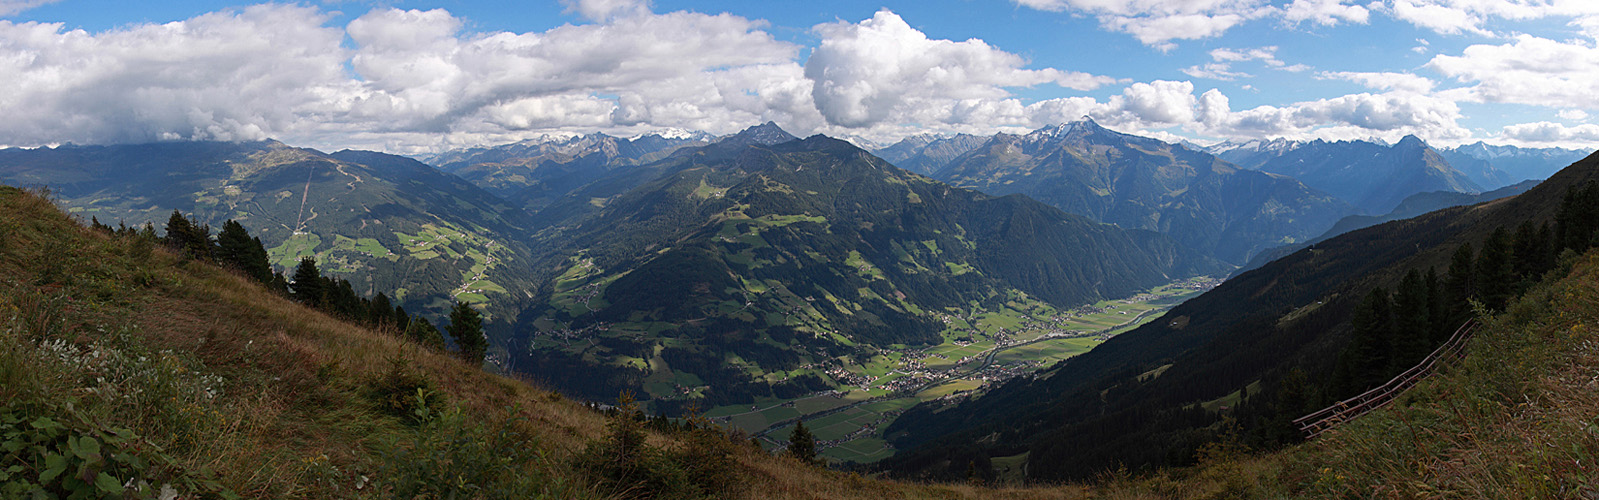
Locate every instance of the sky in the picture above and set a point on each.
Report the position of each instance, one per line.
(412, 77)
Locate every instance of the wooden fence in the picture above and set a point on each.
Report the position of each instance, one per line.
(1343, 411)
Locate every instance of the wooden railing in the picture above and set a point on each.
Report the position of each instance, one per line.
(1343, 411)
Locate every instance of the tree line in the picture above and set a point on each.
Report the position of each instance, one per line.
(233, 248)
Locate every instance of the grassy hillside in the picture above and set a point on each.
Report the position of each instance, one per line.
(383, 222)
(1153, 396)
(1514, 419)
(119, 360)
(124, 366)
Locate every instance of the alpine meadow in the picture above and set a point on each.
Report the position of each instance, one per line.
(700, 249)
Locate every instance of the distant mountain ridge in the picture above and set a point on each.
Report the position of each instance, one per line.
(926, 153)
(384, 222)
(1371, 176)
(1138, 182)
(1517, 163)
(533, 172)
(784, 255)
(1246, 357)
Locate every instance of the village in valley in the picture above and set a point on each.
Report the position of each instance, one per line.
(981, 349)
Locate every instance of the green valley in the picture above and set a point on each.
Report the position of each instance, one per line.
(980, 348)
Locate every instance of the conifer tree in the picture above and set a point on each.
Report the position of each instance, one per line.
(1460, 285)
(236, 249)
(1365, 361)
(188, 237)
(308, 283)
(1494, 274)
(466, 328)
(381, 312)
(1412, 322)
(802, 445)
(402, 321)
(280, 284)
(423, 332)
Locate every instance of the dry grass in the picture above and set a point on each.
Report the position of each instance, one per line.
(1517, 419)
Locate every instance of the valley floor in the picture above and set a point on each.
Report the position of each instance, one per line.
(125, 371)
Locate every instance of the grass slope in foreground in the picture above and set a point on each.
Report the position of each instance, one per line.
(186, 375)
(136, 371)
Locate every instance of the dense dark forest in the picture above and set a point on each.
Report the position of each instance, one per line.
(1268, 346)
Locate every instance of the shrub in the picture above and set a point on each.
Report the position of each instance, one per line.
(403, 392)
(449, 457)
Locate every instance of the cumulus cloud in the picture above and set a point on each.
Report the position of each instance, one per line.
(10, 7)
(1390, 115)
(1404, 82)
(1472, 16)
(1157, 22)
(280, 71)
(1325, 12)
(1214, 71)
(1527, 70)
(883, 70)
(1550, 132)
(601, 10)
(228, 75)
(1573, 115)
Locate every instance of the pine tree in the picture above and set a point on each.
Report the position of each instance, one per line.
(236, 249)
(1460, 285)
(402, 321)
(1365, 360)
(466, 328)
(423, 332)
(1413, 328)
(381, 312)
(1494, 274)
(308, 285)
(189, 238)
(802, 445)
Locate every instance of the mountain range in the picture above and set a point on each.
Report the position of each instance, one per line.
(755, 261)
(719, 268)
(387, 223)
(1204, 203)
(1371, 176)
(1241, 361)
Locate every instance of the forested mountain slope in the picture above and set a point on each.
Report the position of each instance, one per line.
(1140, 183)
(748, 267)
(384, 222)
(1154, 395)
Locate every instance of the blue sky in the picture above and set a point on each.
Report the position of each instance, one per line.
(416, 76)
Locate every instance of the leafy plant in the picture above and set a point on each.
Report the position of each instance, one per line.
(43, 458)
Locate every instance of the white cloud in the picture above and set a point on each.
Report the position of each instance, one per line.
(882, 70)
(1472, 16)
(229, 75)
(1404, 82)
(1215, 71)
(1555, 133)
(601, 10)
(280, 71)
(1575, 115)
(1528, 70)
(1325, 12)
(11, 7)
(1266, 54)
(1157, 22)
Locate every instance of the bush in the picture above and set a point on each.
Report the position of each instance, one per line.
(448, 457)
(43, 458)
(630, 468)
(403, 392)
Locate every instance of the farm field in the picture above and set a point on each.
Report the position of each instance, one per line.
(980, 348)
